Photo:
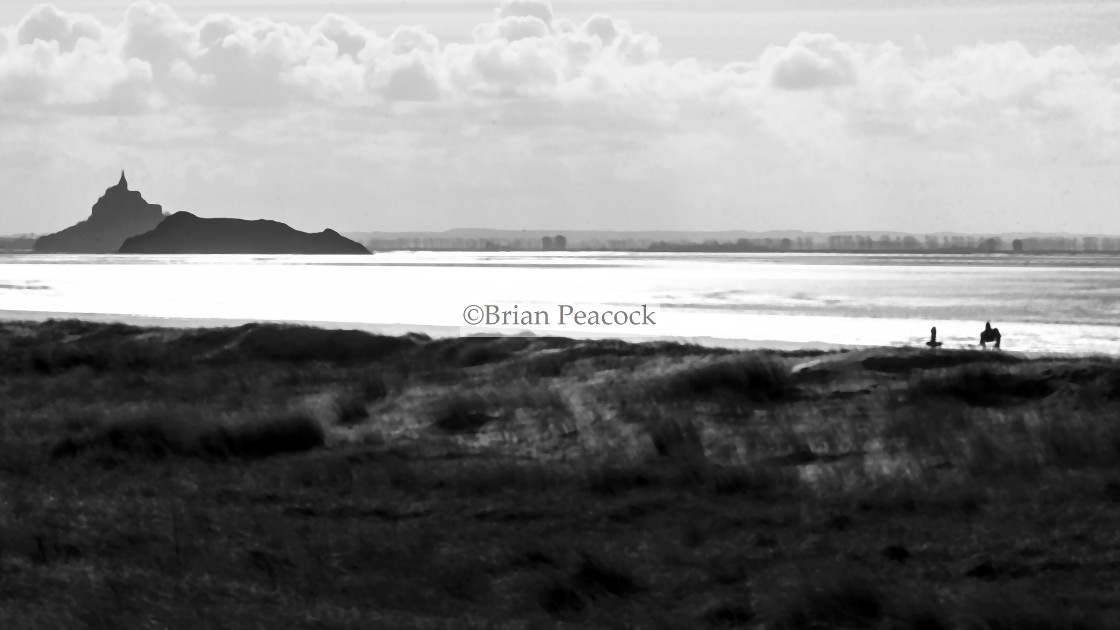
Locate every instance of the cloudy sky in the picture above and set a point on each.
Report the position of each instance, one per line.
(922, 115)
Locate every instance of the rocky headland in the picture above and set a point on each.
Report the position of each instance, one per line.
(185, 233)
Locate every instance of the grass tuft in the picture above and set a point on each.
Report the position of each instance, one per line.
(755, 377)
(942, 359)
(985, 386)
(730, 615)
(835, 599)
(463, 413)
(620, 479)
(562, 601)
(350, 408)
(263, 436)
(156, 435)
(678, 440)
(596, 577)
(274, 342)
(1015, 608)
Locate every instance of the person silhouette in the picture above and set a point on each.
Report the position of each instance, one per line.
(933, 342)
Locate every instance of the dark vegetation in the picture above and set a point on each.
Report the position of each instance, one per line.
(987, 386)
(157, 435)
(753, 377)
(290, 477)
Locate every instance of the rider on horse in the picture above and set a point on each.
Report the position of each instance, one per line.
(989, 334)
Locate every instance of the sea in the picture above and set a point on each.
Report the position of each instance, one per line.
(1059, 304)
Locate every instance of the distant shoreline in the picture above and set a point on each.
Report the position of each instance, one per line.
(866, 252)
(778, 242)
(579, 250)
(588, 250)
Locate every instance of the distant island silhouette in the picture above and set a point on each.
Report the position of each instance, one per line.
(121, 214)
(123, 222)
(117, 215)
(185, 233)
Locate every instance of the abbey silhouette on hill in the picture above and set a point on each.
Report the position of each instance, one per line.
(122, 221)
(117, 215)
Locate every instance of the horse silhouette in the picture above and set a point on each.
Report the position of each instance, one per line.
(989, 335)
(933, 342)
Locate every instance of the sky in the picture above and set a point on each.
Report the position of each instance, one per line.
(825, 115)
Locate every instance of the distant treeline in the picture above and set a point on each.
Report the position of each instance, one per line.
(838, 242)
(740, 245)
(547, 244)
(856, 243)
(17, 243)
(972, 243)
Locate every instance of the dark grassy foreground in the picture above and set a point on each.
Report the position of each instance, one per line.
(283, 477)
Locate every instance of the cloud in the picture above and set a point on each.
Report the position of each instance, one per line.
(539, 9)
(603, 27)
(47, 24)
(40, 74)
(408, 77)
(818, 94)
(349, 37)
(154, 33)
(812, 61)
(513, 28)
(227, 61)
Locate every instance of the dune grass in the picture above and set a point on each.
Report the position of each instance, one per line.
(273, 476)
(755, 377)
(159, 434)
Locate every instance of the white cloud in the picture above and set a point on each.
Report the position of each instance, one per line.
(48, 24)
(155, 34)
(154, 59)
(407, 77)
(812, 61)
(601, 26)
(512, 29)
(540, 9)
(556, 93)
(349, 37)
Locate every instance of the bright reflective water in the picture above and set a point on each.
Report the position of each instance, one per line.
(1040, 303)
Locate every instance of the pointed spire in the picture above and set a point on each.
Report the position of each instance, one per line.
(124, 182)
